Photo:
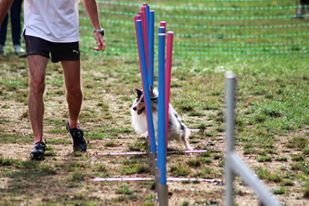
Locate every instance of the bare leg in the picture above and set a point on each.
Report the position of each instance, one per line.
(73, 86)
(37, 69)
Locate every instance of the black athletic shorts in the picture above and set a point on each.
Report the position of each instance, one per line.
(57, 51)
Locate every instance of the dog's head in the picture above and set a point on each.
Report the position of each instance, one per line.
(139, 103)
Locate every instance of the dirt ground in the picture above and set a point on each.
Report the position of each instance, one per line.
(65, 178)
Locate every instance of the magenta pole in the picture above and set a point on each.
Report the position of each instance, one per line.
(163, 24)
(168, 71)
(137, 17)
(145, 32)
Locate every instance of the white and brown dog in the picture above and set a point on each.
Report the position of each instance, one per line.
(177, 130)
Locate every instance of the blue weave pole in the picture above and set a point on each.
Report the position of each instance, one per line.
(145, 84)
(151, 24)
(161, 109)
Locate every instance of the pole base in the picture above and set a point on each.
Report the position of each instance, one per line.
(162, 195)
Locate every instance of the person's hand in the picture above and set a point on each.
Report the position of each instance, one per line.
(100, 41)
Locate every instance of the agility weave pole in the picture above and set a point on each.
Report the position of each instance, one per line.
(146, 89)
(233, 164)
(145, 42)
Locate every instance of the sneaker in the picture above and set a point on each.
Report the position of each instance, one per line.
(38, 151)
(77, 135)
(19, 51)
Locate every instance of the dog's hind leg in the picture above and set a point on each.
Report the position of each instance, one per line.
(185, 137)
(186, 143)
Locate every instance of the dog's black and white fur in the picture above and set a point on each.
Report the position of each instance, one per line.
(177, 130)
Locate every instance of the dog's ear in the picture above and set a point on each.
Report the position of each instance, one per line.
(138, 92)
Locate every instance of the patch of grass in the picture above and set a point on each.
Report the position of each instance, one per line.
(77, 176)
(149, 200)
(280, 191)
(208, 172)
(287, 182)
(93, 135)
(264, 158)
(281, 159)
(138, 145)
(211, 133)
(297, 158)
(201, 126)
(9, 162)
(124, 190)
(194, 163)
(306, 151)
(134, 167)
(299, 166)
(15, 138)
(31, 171)
(50, 152)
(249, 149)
(59, 141)
(180, 170)
(110, 144)
(195, 114)
(185, 203)
(206, 160)
(298, 143)
(265, 174)
(100, 167)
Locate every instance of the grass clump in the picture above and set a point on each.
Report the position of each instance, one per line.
(180, 170)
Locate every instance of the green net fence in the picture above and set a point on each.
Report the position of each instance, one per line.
(203, 28)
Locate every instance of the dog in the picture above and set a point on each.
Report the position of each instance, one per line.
(177, 130)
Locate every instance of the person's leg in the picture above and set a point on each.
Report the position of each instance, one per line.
(37, 57)
(74, 98)
(73, 86)
(3, 31)
(37, 69)
(68, 55)
(16, 25)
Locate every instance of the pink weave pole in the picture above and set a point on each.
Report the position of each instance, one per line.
(163, 24)
(168, 71)
(145, 32)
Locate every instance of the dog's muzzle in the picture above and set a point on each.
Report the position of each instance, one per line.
(140, 111)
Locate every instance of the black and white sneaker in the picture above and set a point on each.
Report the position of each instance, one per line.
(38, 151)
(77, 135)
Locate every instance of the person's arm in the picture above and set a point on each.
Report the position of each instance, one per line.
(92, 11)
(4, 7)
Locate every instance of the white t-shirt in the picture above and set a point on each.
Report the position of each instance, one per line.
(52, 20)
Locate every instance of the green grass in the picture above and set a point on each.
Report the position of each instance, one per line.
(267, 175)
